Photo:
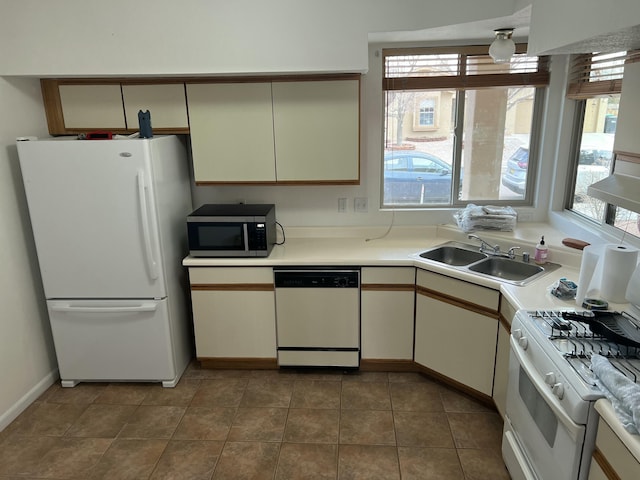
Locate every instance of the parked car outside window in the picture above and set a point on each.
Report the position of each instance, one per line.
(593, 165)
(412, 177)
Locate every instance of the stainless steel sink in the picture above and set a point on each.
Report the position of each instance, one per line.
(506, 268)
(452, 255)
(465, 257)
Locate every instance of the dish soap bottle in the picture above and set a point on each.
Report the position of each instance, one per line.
(542, 252)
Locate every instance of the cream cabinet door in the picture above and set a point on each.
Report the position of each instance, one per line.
(233, 312)
(387, 312)
(89, 107)
(166, 103)
(317, 130)
(626, 137)
(455, 342)
(231, 127)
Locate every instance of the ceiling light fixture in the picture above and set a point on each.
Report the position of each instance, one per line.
(502, 48)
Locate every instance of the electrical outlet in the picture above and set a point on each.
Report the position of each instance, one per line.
(360, 204)
(342, 205)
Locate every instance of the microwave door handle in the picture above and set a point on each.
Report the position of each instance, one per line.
(575, 431)
(146, 231)
(245, 231)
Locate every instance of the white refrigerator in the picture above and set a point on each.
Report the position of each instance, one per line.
(109, 222)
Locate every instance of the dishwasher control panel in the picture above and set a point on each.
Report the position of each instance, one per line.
(317, 279)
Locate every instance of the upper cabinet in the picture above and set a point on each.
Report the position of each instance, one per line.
(77, 106)
(627, 139)
(92, 107)
(231, 132)
(316, 128)
(165, 102)
(278, 132)
(269, 130)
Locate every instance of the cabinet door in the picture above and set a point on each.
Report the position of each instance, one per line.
(92, 107)
(387, 313)
(233, 312)
(458, 343)
(234, 324)
(317, 130)
(166, 103)
(507, 312)
(231, 127)
(626, 137)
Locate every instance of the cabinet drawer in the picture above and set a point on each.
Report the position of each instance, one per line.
(466, 292)
(230, 275)
(388, 275)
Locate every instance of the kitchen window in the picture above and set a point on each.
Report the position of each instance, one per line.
(478, 121)
(595, 83)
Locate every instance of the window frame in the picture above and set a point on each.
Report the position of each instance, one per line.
(580, 90)
(538, 80)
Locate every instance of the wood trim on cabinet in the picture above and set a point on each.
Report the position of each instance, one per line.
(505, 323)
(387, 287)
(230, 287)
(457, 302)
(52, 106)
(238, 363)
(281, 182)
(387, 365)
(606, 467)
(485, 399)
(627, 156)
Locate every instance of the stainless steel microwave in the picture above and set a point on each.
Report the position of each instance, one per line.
(232, 230)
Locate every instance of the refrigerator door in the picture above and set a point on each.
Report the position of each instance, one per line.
(93, 215)
(112, 340)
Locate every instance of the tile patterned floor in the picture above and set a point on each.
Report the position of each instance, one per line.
(280, 425)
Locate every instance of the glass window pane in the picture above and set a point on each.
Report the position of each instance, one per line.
(495, 155)
(627, 221)
(596, 153)
(426, 153)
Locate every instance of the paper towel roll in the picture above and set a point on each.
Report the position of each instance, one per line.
(587, 284)
(618, 265)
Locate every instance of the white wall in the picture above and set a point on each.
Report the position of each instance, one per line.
(27, 360)
(560, 23)
(191, 37)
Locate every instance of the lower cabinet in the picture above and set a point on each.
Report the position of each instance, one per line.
(234, 315)
(507, 312)
(456, 336)
(387, 311)
(611, 459)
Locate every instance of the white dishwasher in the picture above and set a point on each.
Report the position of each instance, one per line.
(318, 317)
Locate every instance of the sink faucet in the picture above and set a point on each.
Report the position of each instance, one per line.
(494, 250)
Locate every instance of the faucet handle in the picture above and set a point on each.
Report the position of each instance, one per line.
(512, 252)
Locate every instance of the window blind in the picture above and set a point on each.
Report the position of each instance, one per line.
(460, 68)
(598, 74)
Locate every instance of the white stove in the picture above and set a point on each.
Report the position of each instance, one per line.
(551, 421)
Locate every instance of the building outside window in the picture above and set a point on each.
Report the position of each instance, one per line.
(458, 108)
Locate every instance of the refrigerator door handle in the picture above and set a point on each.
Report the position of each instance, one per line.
(146, 231)
(70, 308)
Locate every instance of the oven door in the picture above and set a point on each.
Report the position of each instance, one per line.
(217, 239)
(540, 440)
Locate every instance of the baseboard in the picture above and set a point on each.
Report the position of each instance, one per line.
(384, 365)
(28, 398)
(239, 363)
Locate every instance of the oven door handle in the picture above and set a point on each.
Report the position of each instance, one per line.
(574, 430)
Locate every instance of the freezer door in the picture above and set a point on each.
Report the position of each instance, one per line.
(112, 340)
(93, 215)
